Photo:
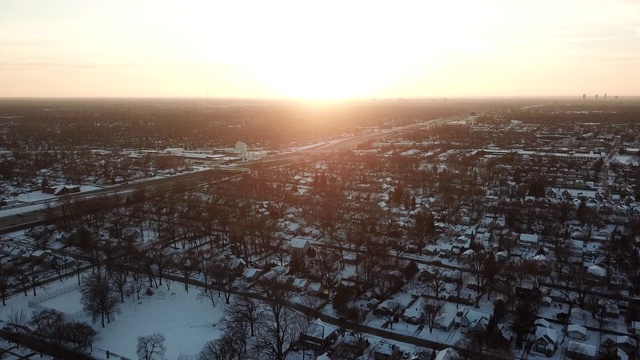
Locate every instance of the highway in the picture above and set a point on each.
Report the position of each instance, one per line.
(34, 213)
(31, 214)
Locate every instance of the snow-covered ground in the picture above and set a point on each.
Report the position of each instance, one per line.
(13, 353)
(186, 322)
(34, 201)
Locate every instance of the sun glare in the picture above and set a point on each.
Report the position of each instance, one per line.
(328, 56)
(319, 80)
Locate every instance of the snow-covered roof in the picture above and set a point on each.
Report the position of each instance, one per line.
(529, 238)
(542, 323)
(469, 253)
(577, 328)
(596, 271)
(550, 334)
(447, 354)
(384, 348)
(581, 348)
(300, 284)
(540, 258)
(298, 243)
(315, 287)
(415, 311)
(625, 339)
(472, 317)
(320, 330)
(250, 273)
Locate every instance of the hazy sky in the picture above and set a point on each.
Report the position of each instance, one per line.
(319, 49)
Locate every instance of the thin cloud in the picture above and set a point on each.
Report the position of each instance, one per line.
(72, 65)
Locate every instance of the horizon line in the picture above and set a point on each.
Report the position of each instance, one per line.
(386, 98)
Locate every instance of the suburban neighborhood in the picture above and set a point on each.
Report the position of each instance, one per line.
(505, 232)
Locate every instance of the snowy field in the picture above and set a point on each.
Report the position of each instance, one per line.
(186, 322)
(68, 303)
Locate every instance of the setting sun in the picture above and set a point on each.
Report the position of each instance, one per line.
(322, 50)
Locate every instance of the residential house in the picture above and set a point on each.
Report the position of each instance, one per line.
(386, 351)
(384, 308)
(577, 332)
(446, 321)
(447, 354)
(546, 340)
(628, 345)
(581, 351)
(506, 335)
(40, 255)
(596, 272)
(530, 240)
(61, 190)
(252, 274)
(350, 258)
(352, 346)
(540, 322)
(300, 245)
(319, 336)
(300, 284)
(237, 266)
(474, 320)
(315, 288)
(461, 244)
(414, 314)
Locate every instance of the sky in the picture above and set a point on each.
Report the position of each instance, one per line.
(319, 49)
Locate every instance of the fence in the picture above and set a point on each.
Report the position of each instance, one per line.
(187, 357)
(35, 304)
(54, 293)
(99, 353)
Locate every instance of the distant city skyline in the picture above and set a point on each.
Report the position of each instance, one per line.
(319, 50)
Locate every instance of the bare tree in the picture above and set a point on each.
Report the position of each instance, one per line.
(161, 259)
(99, 298)
(18, 324)
(6, 274)
(326, 265)
(151, 347)
(81, 333)
(187, 265)
(433, 309)
(118, 279)
(245, 310)
(137, 284)
(392, 310)
(577, 282)
(20, 276)
(435, 280)
(423, 228)
(223, 277)
(223, 348)
(280, 326)
(50, 325)
(232, 345)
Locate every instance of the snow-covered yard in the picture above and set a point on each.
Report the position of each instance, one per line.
(186, 322)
